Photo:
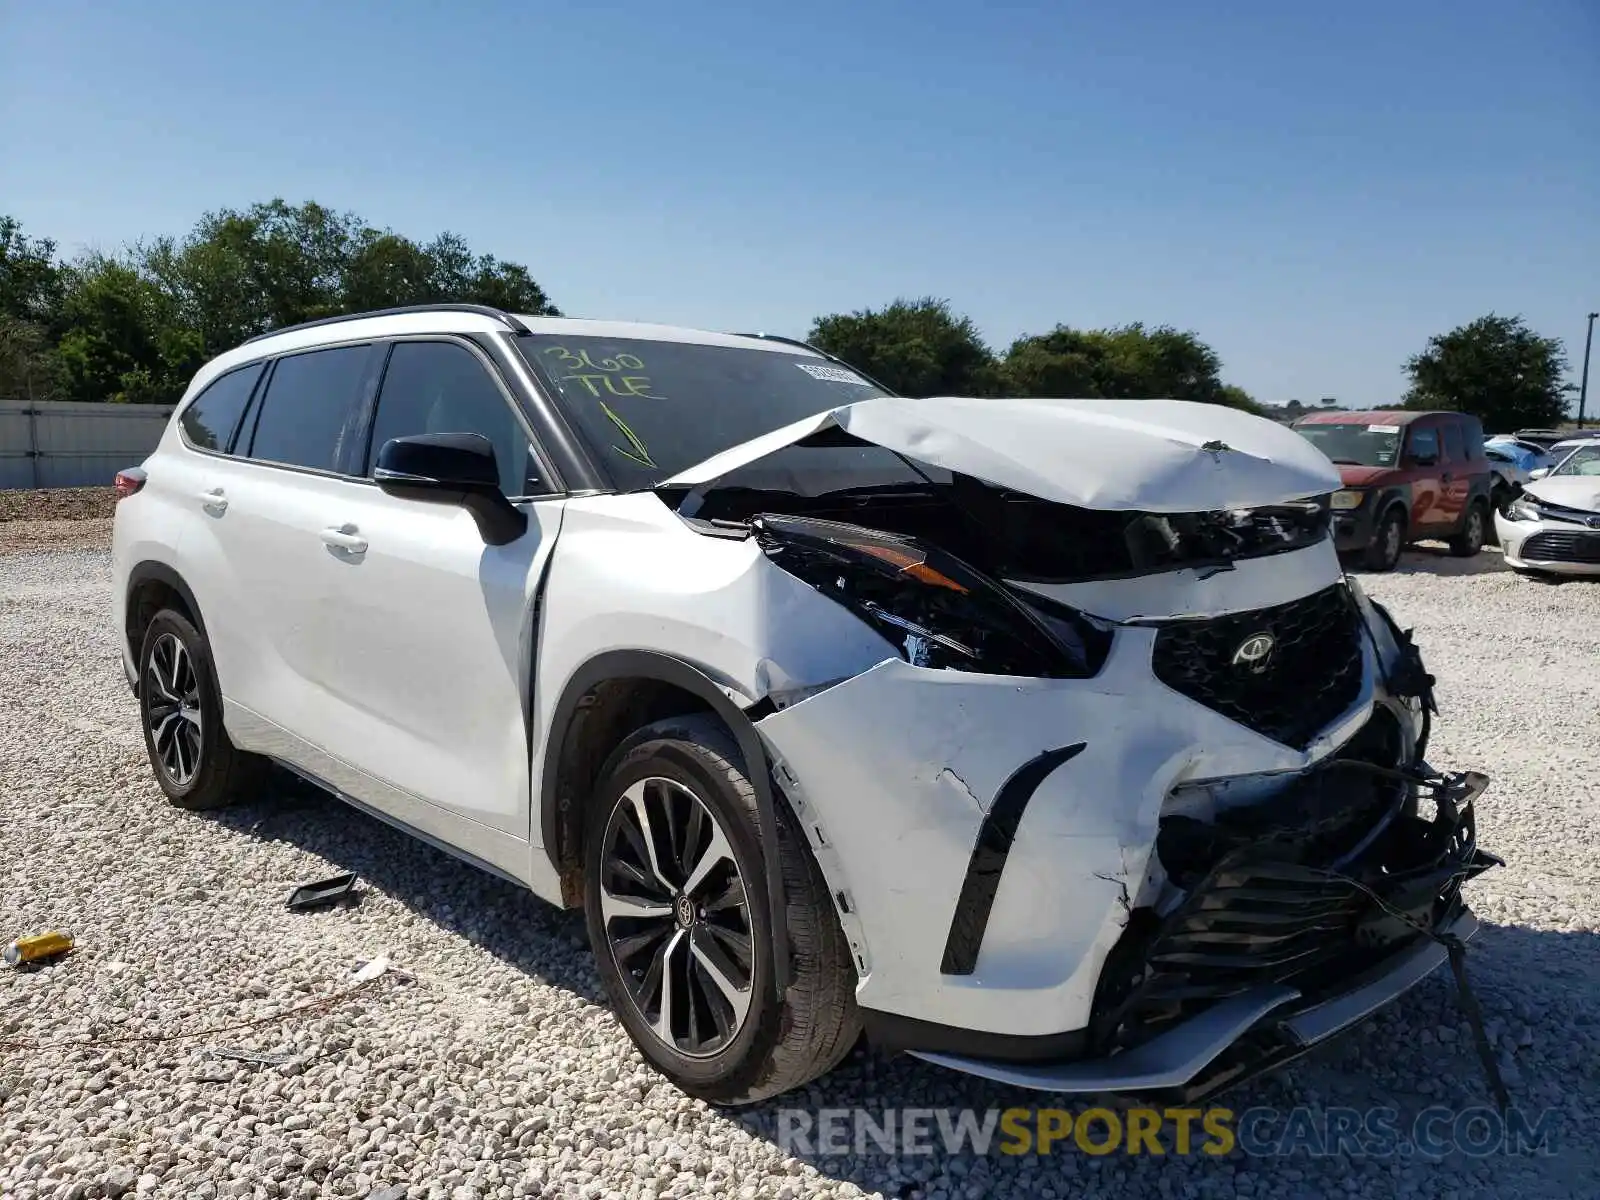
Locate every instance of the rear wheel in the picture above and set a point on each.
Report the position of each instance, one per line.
(1470, 540)
(676, 903)
(181, 706)
(1383, 552)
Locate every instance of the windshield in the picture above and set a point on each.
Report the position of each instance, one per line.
(1585, 460)
(651, 409)
(1358, 445)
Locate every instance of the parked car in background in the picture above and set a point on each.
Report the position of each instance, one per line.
(1560, 450)
(1554, 525)
(1511, 468)
(1542, 437)
(1533, 449)
(1407, 476)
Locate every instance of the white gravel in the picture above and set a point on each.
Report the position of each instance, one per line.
(483, 1063)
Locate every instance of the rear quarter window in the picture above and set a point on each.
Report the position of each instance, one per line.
(210, 420)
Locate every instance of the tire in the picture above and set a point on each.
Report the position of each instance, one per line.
(1473, 532)
(1498, 499)
(180, 708)
(714, 1052)
(1388, 539)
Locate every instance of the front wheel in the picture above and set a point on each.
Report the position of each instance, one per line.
(676, 904)
(1383, 552)
(1470, 540)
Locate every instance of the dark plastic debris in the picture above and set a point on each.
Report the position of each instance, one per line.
(324, 893)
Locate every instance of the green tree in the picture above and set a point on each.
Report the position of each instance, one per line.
(241, 273)
(913, 347)
(31, 286)
(1130, 362)
(1235, 396)
(134, 326)
(31, 292)
(124, 342)
(1495, 368)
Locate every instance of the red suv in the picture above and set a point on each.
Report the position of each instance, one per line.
(1407, 476)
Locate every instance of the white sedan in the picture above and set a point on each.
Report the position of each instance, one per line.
(1554, 525)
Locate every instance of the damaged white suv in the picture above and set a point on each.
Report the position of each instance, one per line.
(1043, 739)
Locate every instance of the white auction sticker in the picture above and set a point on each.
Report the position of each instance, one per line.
(832, 374)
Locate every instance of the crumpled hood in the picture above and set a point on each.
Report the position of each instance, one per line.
(1135, 455)
(1573, 491)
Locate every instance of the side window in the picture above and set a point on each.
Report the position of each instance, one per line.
(1454, 449)
(440, 387)
(1424, 444)
(312, 408)
(208, 423)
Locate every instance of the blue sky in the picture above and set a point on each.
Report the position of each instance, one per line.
(1315, 189)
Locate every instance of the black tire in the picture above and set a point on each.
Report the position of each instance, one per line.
(776, 1046)
(1474, 531)
(1388, 539)
(1498, 499)
(209, 771)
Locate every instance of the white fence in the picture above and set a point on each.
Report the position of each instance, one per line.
(64, 443)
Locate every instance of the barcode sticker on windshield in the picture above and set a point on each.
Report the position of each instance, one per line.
(1383, 429)
(832, 374)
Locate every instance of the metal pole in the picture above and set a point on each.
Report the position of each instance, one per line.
(1583, 381)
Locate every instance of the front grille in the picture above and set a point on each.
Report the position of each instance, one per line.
(1562, 547)
(1312, 675)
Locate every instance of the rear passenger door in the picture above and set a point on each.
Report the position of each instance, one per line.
(256, 553)
(1455, 480)
(430, 631)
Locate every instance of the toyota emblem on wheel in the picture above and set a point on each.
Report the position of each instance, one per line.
(1255, 652)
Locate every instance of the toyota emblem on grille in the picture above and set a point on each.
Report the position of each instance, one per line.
(1255, 652)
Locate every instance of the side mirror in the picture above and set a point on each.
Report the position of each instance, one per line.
(1538, 473)
(451, 468)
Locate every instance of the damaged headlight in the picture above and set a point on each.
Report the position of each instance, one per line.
(938, 610)
(1524, 508)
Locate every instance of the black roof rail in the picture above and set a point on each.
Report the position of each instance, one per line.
(833, 358)
(482, 310)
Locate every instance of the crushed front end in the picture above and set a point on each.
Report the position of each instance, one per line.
(1137, 799)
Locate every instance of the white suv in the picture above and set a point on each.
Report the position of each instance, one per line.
(1043, 739)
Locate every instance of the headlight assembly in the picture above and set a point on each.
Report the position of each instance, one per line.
(1523, 509)
(938, 610)
(1347, 498)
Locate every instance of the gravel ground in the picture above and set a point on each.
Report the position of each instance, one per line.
(483, 1063)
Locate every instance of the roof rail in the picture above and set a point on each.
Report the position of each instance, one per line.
(833, 358)
(482, 310)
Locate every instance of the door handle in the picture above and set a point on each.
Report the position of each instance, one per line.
(213, 499)
(346, 538)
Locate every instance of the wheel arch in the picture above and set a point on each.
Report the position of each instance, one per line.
(152, 586)
(603, 701)
(1390, 499)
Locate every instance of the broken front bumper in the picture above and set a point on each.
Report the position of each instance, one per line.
(1269, 954)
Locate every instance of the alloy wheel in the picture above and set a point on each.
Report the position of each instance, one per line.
(677, 917)
(172, 690)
